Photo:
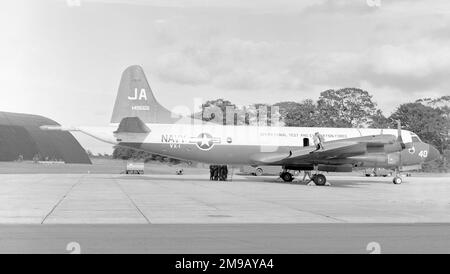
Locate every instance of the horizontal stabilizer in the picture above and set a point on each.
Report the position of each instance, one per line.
(132, 125)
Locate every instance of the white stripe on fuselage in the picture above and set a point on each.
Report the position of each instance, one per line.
(234, 135)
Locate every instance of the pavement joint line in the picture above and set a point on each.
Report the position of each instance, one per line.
(62, 198)
(132, 201)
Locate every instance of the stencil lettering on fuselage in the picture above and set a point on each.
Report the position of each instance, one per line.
(174, 141)
(204, 141)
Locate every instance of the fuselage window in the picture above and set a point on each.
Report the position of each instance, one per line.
(415, 139)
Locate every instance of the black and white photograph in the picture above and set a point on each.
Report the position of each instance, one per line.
(224, 133)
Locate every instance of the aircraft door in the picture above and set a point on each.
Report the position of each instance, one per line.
(306, 142)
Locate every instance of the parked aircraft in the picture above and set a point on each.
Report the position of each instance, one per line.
(140, 122)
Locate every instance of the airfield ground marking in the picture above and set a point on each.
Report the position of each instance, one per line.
(62, 198)
(132, 201)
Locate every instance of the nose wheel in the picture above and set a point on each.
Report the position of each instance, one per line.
(397, 180)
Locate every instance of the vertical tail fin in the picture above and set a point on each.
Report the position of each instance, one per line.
(135, 99)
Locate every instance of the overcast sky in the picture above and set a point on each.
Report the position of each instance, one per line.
(64, 60)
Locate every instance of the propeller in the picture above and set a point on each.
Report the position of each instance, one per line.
(400, 138)
(399, 134)
(402, 146)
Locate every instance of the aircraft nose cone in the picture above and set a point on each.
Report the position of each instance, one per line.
(433, 154)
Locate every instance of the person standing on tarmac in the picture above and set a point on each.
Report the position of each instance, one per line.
(318, 141)
(223, 173)
(216, 173)
(211, 172)
(219, 173)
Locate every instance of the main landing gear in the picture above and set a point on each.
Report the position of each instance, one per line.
(318, 179)
(287, 176)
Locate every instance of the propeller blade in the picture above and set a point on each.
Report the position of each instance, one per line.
(399, 134)
(399, 131)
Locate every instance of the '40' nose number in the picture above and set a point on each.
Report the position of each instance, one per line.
(423, 153)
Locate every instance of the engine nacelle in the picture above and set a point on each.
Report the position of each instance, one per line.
(391, 148)
(390, 159)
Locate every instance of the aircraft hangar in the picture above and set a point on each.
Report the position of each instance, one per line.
(20, 136)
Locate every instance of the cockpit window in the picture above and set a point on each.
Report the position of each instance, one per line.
(416, 139)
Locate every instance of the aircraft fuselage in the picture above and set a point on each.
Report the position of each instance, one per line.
(217, 144)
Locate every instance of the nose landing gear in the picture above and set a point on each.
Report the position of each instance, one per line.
(397, 180)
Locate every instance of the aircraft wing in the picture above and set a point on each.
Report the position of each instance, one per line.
(339, 149)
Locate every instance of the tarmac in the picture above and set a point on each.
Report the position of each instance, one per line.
(193, 199)
(42, 212)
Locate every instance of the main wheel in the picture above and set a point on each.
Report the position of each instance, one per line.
(287, 177)
(397, 180)
(320, 179)
(259, 172)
